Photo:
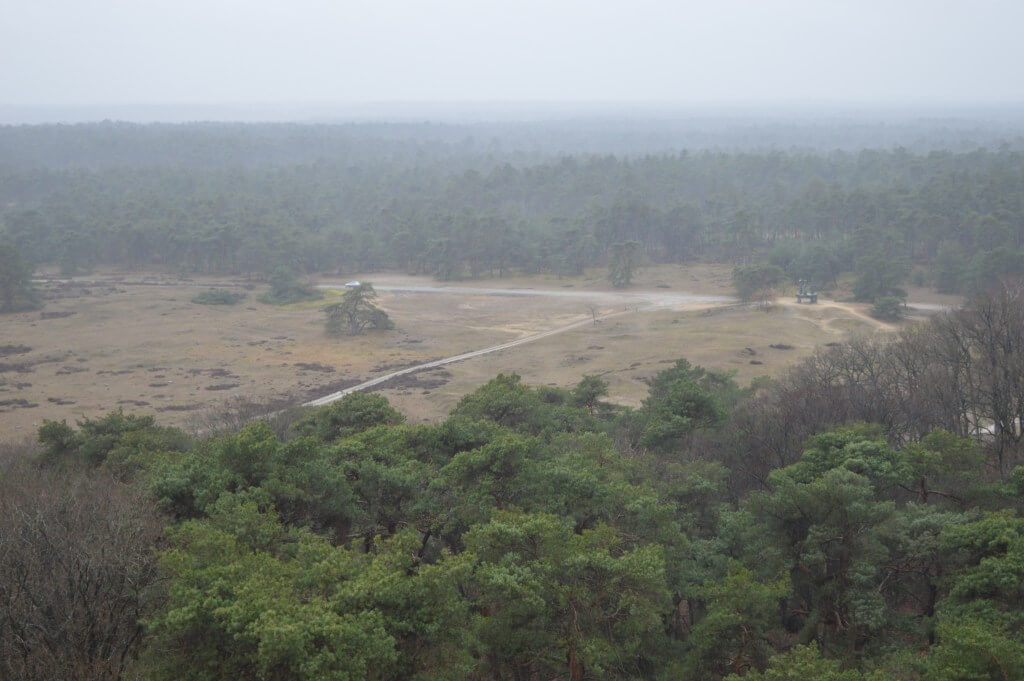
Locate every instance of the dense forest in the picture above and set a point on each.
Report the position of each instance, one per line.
(434, 199)
(857, 518)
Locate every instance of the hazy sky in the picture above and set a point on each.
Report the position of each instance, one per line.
(78, 52)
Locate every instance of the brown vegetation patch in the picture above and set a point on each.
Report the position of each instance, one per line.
(180, 407)
(314, 366)
(222, 386)
(422, 380)
(384, 368)
(212, 373)
(17, 404)
(7, 350)
(18, 368)
(332, 387)
(232, 415)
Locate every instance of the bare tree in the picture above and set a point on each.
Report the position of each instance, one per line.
(993, 325)
(963, 371)
(77, 573)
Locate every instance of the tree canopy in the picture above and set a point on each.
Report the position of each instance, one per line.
(356, 312)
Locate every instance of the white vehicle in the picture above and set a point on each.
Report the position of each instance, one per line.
(352, 284)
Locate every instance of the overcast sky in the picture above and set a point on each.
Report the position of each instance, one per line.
(89, 52)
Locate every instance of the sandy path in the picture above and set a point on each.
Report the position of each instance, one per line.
(846, 308)
(626, 298)
(333, 397)
(632, 301)
(648, 300)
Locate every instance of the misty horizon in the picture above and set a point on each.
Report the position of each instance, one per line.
(526, 111)
(232, 60)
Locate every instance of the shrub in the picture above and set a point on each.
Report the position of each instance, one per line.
(218, 296)
(286, 289)
(887, 308)
(758, 282)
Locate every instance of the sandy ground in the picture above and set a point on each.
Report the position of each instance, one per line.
(147, 349)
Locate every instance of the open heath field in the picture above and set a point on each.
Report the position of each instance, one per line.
(111, 342)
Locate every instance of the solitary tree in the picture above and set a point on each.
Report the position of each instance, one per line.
(758, 282)
(589, 391)
(355, 313)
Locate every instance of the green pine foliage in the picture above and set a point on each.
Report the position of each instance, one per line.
(356, 313)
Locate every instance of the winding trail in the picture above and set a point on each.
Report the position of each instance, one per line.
(327, 399)
(846, 308)
(637, 300)
(634, 301)
(631, 297)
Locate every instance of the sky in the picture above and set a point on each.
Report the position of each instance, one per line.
(97, 53)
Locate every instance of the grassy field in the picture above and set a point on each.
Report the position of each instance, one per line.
(148, 349)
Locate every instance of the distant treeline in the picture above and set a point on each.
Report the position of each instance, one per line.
(216, 198)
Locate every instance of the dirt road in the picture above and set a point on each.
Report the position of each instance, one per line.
(631, 301)
(327, 399)
(627, 298)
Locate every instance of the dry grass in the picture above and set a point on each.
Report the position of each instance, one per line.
(148, 349)
(631, 348)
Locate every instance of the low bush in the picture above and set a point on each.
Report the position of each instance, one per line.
(218, 296)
